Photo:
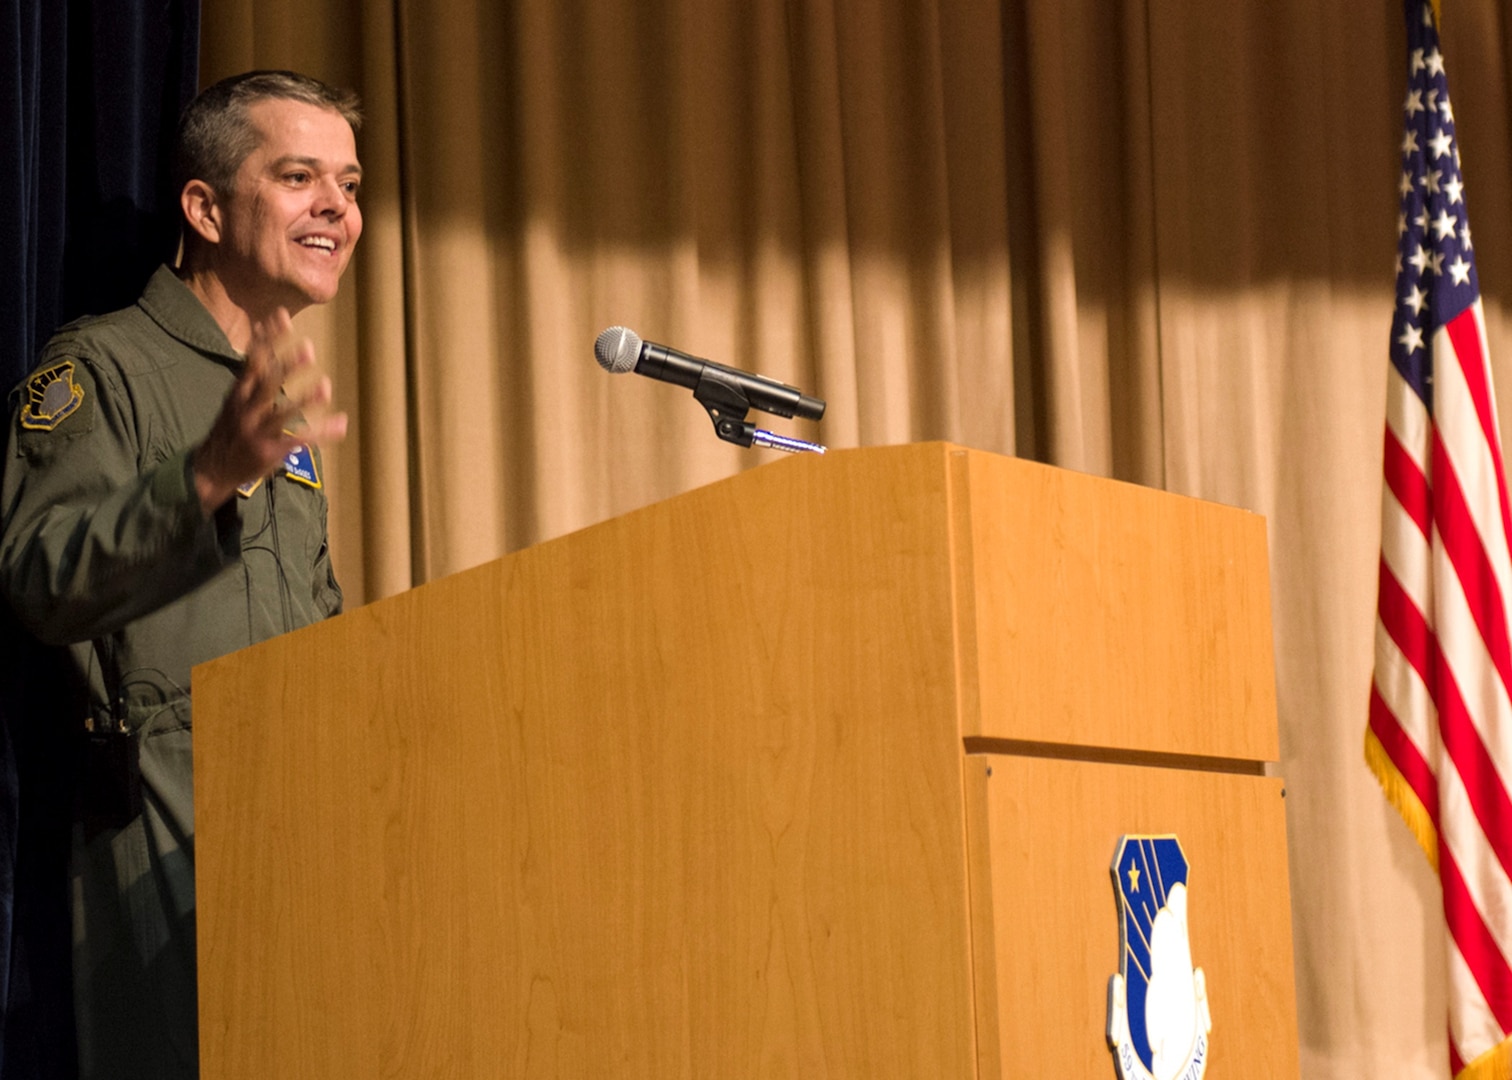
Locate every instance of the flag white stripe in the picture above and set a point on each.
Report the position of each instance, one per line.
(1461, 834)
(1471, 1024)
(1405, 551)
(1408, 418)
(1470, 455)
(1467, 659)
(1406, 695)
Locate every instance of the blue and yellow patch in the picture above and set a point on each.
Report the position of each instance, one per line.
(52, 396)
(300, 466)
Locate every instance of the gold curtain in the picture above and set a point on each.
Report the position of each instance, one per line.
(1150, 239)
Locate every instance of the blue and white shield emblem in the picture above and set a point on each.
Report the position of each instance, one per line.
(1158, 1019)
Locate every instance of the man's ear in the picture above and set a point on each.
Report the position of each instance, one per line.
(203, 214)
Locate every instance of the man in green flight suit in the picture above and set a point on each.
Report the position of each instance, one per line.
(162, 505)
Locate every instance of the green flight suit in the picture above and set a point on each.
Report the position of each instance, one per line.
(104, 552)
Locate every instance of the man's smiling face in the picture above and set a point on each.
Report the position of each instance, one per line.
(291, 218)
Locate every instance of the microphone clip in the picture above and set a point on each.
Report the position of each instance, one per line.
(727, 404)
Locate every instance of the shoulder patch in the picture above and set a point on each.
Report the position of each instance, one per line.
(300, 466)
(52, 396)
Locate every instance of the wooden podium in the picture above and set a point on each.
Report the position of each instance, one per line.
(814, 772)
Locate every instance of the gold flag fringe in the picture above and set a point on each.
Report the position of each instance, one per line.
(1400, 795)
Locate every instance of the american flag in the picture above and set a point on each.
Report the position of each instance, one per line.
(1440, 732)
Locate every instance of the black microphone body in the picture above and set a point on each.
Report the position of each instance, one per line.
(619, 350)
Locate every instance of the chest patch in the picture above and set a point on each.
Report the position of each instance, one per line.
(300, 466)
(52, 396)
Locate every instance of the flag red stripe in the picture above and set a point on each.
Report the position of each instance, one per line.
(1482, 956)
(1463, 744)
(1464, 334)
(1405, 624)
(1406, 481)
(1404, 754)
(1456, 1063)
(1462, 543)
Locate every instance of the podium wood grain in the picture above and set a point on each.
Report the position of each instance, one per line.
(684, 794)
(1111, 615)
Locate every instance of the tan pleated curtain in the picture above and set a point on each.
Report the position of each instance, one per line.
(1150, 239)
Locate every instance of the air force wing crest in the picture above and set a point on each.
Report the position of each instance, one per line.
(1158, 1020)
(52, 396)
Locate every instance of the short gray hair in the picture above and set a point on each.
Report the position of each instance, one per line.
(215, 134)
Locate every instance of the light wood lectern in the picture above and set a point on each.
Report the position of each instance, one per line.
(814, 772)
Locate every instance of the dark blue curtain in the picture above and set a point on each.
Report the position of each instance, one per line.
(90, 92)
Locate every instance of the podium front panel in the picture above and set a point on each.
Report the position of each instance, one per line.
(1047, 918)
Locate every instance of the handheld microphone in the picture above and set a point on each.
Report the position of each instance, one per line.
(619, 349)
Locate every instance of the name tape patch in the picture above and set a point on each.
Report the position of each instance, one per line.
(298, 466)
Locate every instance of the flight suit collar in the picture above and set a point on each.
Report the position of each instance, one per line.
(173, 306)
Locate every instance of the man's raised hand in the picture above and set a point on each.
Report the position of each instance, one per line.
(281, 401)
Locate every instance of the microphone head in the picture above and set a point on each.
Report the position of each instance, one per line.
(617, 349)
